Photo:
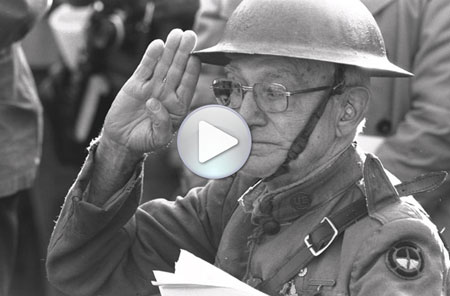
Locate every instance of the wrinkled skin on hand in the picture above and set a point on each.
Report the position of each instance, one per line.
(153, 102)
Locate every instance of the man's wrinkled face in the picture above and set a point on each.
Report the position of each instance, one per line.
(273, 133)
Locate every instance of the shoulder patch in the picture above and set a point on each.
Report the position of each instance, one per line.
(405, 260)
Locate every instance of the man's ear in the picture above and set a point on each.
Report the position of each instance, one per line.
(352, 110)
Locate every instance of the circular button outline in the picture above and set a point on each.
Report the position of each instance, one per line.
(209, 170)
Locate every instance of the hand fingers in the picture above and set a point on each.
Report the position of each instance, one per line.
(170, 48)
(178, 103)
(151, 57)
(186, 89)
(161, 127)
(176, 70)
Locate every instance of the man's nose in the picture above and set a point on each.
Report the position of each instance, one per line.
(250, 111)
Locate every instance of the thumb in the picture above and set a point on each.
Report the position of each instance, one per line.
(161, 126)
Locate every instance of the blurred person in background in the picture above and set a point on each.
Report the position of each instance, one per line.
(409, 119)
(20, 142)
(412, 116)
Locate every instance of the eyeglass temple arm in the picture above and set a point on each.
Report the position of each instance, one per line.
(335, 89)
(314, 89)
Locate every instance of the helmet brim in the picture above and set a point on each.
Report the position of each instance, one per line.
(374, 66)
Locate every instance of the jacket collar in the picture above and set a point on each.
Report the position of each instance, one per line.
(292, 201)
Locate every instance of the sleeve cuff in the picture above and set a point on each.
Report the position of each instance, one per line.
(86, 218)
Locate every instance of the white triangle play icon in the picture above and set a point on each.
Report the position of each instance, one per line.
(212, 141)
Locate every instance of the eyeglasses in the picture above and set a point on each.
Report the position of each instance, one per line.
(270, 97)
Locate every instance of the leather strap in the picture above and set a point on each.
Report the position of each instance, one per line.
(422, 183)
(316, 242)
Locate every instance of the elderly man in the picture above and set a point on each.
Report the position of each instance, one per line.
(314, 216)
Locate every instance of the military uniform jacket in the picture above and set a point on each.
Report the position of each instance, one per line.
(394, 250)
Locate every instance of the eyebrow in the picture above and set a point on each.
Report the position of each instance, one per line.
(269, 75)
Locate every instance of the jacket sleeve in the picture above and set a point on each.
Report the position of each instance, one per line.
(402, 257)
(422, 141)
(114, 249)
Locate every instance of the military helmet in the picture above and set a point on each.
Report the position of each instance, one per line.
(335, 31)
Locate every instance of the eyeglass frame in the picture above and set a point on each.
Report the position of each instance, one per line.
(246, 88)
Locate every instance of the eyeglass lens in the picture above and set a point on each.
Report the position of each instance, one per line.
(270, 97)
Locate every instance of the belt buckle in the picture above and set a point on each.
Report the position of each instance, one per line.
(310, 246)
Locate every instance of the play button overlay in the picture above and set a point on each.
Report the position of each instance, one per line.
(214, 141)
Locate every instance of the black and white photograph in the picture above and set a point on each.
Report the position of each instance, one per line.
(224, 147)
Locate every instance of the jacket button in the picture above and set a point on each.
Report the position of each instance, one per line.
(303, 272)
(271, 227)
(384, 127)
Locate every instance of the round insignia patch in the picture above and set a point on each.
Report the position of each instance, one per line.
(405, 260)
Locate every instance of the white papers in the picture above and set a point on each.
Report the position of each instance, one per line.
(196, 277)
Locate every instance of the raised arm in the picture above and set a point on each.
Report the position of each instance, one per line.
(146, 112)
(102, 243)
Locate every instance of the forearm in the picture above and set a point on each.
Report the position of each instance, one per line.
(113, 166)
(90, 241)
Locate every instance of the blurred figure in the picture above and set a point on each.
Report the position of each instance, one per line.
(99, 45)
(414, 114)
(20, 133)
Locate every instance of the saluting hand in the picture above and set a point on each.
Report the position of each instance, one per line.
(154, 101)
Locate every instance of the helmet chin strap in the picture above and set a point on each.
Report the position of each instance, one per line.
(301, 141)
